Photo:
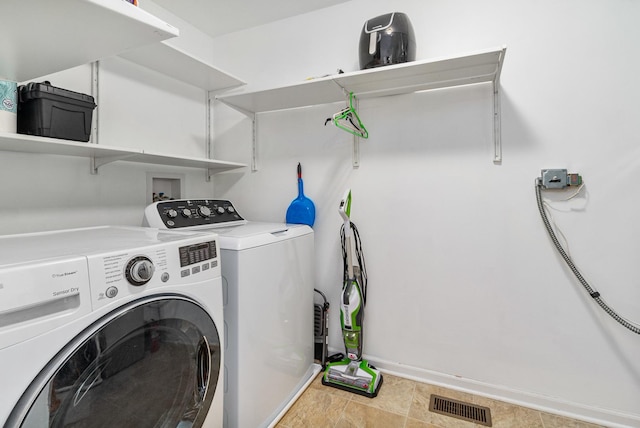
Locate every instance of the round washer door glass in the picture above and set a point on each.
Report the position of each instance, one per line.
(152, 363)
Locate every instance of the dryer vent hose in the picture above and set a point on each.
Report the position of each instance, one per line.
(594, 294)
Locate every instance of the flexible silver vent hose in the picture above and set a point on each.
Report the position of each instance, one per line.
(594, 294)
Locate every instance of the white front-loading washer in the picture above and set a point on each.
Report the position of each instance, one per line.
(268, 278)
(111, 327)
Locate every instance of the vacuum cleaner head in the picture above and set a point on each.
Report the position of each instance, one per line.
(387, 39)
(354, 376)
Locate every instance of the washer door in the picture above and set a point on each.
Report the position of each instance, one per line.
(152, 363)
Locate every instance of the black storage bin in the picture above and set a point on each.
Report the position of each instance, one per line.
(48, 111)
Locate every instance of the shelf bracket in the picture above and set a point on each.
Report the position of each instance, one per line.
(103, 160)
(209, 174)
(355, 156)
(497, 126)
(254, 132)
(95, 92)
(497, 131)
(355, 151)
(254, 142)
(209, 136)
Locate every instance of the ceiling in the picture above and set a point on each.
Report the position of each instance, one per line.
(217, 17)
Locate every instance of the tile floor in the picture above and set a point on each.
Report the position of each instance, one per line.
(403, 403)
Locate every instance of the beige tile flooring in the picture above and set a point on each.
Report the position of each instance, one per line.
(403, 403)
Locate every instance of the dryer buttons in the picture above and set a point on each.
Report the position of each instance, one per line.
(111, 292)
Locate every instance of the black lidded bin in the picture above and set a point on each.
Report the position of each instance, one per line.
(47, 111)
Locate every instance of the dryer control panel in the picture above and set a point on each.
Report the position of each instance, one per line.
(180, 259)
(192, 213)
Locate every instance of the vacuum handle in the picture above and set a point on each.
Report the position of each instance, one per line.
(349, 259)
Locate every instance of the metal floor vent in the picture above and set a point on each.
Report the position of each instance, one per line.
(461, 410)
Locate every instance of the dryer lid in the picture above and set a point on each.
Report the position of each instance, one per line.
(257, 234)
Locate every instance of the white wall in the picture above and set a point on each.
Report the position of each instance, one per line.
(465, 287)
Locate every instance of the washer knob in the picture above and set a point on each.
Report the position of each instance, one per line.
(186, 212)
(172, 213)
(204, 211)
(220, 210)
(139, 270)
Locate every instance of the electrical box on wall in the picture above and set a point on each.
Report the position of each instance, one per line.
(164, 186)
(559, 179)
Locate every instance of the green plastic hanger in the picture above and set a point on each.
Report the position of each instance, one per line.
(348, 120)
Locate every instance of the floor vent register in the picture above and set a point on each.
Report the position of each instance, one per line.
(460, 410)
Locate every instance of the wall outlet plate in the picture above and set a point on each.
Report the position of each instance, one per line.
(554, 178)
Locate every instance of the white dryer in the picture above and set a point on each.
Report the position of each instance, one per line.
(268, 279)
(111, 326)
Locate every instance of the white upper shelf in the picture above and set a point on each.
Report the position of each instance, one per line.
(397, 79)
(41, 37)
(103, 155)
(181, 65)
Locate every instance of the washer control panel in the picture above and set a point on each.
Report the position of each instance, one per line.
(181, 213)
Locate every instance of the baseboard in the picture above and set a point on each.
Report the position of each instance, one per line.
(605, 417)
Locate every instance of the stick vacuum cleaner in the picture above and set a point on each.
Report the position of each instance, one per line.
(353, 373)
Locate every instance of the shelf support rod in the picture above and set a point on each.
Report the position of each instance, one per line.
(209, 136)
(210, 173)
(254, 142)
(254, 130)
(497, 125)
(95, 87)
(355, 156)
(497, 128)
(355, 152)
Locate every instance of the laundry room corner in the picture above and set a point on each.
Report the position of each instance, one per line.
(454, 243)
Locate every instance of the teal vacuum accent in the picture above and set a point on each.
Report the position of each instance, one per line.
(353, 373)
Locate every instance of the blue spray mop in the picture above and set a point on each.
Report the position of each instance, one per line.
(353, 373)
